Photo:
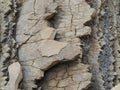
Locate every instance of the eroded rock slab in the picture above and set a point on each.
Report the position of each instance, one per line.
(51, 47)
(38, 51)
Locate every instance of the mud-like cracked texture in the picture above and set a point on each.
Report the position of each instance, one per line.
(67, 76)
(38, 51)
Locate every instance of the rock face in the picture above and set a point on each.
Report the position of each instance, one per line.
(67, 76)
(44, 43)
(59, 44)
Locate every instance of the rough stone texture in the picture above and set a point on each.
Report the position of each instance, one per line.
(117, 41)
(103, 55)
(67, 76)
(117, 87)
(15, 76)
(49, 32)
(8, 10)
(72, 15)
(50, 47)
(38, 51)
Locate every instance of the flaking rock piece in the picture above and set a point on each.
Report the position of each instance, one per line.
(15, 76)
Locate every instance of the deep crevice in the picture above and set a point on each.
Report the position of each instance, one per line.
(106, 50)
(85, 48)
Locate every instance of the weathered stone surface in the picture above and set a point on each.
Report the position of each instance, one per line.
(72, 87)
(38, 51)
(50, 47)
(15, 76)
(81, 77)
(57, 89)
(85, 31)
(35, 64)
(59, 77)
(117, 87)
(7, 40)
(53, 83)
(48, 33)
(65, 82)
(72, 16)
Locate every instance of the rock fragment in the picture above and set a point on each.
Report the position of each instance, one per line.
(15, 76)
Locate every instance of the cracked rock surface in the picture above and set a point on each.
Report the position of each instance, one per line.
(44, 43)
(59, 44)
(67, 76)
